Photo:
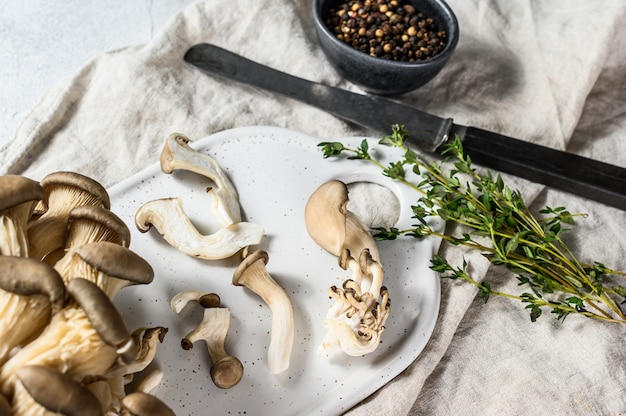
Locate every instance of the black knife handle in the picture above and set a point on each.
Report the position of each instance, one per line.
(578, 175)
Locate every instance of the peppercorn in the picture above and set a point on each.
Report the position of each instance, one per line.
(389, 29)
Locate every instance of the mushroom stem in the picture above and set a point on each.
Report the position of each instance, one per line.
(252, 274)
(356, 320)
(226, 370)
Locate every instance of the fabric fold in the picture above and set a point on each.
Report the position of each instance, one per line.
(536, 70)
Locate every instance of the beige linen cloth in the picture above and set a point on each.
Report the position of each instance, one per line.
(546, 71)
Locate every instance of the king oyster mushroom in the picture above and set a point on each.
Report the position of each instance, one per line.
(226, 370)
(47, 391)
(108, 265)
(252, 274)
(169, 218)
(64, 191)
(86, 338)
(356, 319)
(18, 197)
(30, 292)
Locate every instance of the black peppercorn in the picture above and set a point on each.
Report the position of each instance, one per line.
(389, 29)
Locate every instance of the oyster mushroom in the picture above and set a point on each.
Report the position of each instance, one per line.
(178, 155)
(252, 274)
(169, 218)
(18, 197)
(90, 223)
(108, 265)
(5, 407)
(87, 338)
(356, 320)
(332, 226)
(30, 292)
(54, 391)
(110, 388)
(144, 404)
(64, 191)
(87, 224)
(226, 370)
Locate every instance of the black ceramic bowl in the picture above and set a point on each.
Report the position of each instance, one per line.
(385, 76)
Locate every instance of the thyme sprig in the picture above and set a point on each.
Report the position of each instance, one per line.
(495, 220)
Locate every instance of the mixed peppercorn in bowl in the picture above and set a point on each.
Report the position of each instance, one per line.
(386, 47)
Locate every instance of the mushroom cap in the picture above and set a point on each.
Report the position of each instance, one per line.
(57, 392)
(325, 215)
(103, 316)
(76, 180)
(16, 189)
(115, 225)
(144, 404)
(226, 372)
(117, 261)
(247, 262)
(26, 276)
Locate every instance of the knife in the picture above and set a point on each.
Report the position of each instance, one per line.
(561, 170)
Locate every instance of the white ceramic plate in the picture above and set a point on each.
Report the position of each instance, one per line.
(274, 171)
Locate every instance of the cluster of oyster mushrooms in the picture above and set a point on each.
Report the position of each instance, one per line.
(356, 319)
(234, 236)
(64, 347)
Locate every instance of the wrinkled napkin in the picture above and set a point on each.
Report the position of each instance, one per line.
(545, 71)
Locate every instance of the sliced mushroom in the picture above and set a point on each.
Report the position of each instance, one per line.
(30, 292)
(169, 218)
(252, 274)
(332, 226)
(144, 404)
(64, 191)
(58, 393)
(108, 265)
(226, 370)
(178, 155)
(18, 197)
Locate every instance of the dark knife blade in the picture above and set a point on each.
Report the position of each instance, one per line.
(568, 172)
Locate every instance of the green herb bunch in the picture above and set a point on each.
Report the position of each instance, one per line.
(495, 220)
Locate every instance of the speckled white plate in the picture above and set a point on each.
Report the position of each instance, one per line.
(274, 171)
